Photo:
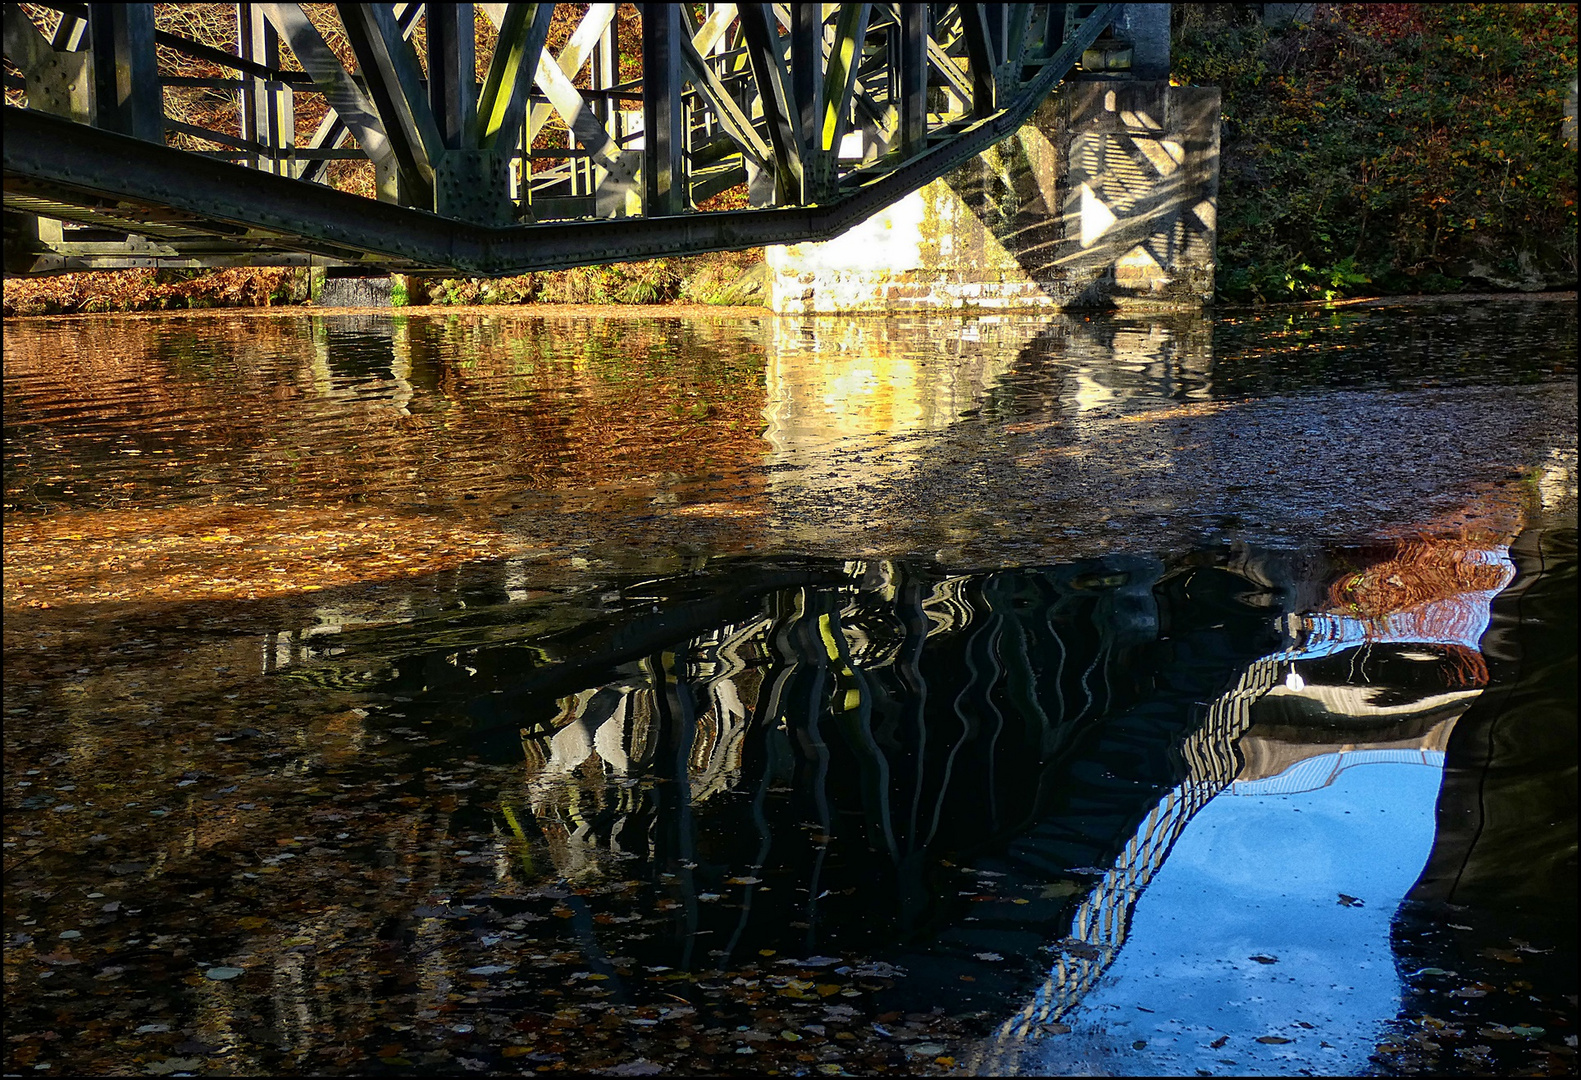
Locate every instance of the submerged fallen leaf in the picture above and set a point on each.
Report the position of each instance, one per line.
(1508, 956)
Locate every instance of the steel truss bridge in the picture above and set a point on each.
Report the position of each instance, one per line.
(550, 154)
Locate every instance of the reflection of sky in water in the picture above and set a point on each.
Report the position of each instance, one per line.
(1261, 875)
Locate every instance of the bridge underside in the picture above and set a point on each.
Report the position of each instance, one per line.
(424, 138)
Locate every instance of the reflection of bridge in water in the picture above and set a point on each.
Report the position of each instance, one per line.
(829, 746)
(1254, 742)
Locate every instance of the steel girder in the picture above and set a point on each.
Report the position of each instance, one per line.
(587, 137)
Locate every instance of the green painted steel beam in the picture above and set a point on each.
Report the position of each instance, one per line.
(503, 102)
(845, 55)
(761, 31)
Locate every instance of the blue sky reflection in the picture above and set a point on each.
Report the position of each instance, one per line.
(1261, 875)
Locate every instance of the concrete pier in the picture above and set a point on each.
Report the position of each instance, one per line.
(1107, 198)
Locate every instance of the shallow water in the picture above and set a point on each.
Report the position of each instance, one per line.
(1001, 694)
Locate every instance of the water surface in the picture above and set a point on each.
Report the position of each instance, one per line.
(510, 692)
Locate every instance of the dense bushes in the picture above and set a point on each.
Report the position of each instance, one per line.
(699, 279)
(154, 290)
(719, 278)
(1389, 147)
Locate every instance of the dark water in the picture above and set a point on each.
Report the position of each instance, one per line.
(999, 695)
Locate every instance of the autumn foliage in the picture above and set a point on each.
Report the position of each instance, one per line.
(1390, 147)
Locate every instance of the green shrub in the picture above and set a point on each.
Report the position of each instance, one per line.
(1405, 147)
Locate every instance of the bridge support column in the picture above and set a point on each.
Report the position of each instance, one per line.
(1147, 29)
(355, 286)
(1106, 198)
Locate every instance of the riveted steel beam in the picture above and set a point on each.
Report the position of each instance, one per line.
(850, 32)
(125, 70)
(343, 95)
(71, 35)
(732, 119)
(395, 83)
(663, 165)
(982, 53)
(25, 46)
(807, 68)
(523, 28)
(592, 30)
(267, 108)
(912, 76)
(452, 74)
(767, 61)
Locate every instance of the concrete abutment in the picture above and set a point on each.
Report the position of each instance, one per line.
(1107, 197)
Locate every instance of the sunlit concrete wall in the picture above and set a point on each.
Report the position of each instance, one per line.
(1107, 197)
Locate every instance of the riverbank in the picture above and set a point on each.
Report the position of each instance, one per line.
(684, 310)
(548, 311)
(1408, 300)
(718, 279)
